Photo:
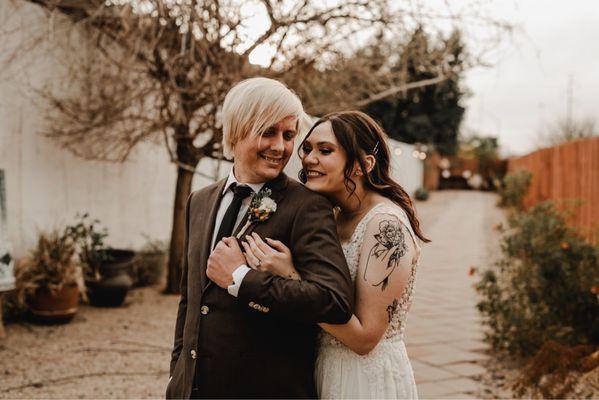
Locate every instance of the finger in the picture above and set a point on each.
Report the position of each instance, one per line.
(232, 242)
(249, 256)
(261, 245)
(255, 249)
(277, 245)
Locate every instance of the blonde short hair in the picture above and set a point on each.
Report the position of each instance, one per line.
(253, 105)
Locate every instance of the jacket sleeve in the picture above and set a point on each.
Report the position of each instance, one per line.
(182, 310)
(325, 293)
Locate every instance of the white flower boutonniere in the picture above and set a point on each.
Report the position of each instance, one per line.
(261, 208)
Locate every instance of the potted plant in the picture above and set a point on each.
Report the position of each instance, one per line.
(106, 270)
(49, 279)
(421, 194)
(150, 263)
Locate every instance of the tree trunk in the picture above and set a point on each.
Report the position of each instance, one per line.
(175, 259)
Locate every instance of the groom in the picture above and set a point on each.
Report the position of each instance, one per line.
(247, 333)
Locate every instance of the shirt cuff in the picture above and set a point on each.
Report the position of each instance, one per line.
(238, 276)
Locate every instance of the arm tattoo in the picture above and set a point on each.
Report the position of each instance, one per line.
(391, 309)
(390, 246)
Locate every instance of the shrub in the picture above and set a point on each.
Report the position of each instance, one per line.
(553, 373)
(151, 263)
(544, 286)
(421, 194)
(514, 189)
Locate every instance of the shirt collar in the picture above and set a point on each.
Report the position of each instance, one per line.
(231, 179)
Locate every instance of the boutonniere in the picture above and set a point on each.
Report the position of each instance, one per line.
(260, 209)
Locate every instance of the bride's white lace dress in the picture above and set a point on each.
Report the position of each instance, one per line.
(385, 372)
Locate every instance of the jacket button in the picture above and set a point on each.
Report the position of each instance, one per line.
(193, 354)
(204, 310)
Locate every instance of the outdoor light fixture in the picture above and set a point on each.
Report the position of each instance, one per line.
(445, 174)
(466, 174)
(444, 163)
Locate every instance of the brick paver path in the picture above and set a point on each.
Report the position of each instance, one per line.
(444, 335)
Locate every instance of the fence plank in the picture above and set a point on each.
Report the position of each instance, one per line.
(569, 175)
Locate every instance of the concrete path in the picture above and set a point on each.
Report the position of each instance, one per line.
(444, 334)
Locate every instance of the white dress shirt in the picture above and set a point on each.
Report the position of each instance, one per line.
(240, 272)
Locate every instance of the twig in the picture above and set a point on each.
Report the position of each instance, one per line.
(157, 346)
(62, 379)
(84, 349)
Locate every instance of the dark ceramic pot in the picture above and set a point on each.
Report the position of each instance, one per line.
(111, 290)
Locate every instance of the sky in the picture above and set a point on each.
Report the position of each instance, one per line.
(554, 47)
(552, 51)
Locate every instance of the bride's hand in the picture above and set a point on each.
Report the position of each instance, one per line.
(272, 256)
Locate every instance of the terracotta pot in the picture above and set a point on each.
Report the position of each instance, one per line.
(59, 307)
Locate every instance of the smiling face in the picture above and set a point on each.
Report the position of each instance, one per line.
(262, 158)
(324, 159)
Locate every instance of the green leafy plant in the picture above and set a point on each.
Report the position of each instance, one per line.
(89, 242)
(514, 188)
(544, 287)
(51, 265)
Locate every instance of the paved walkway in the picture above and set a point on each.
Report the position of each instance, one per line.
(444, 335)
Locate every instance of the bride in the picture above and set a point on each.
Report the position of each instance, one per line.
(345, 157)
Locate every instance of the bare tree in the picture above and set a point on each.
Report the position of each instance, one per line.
(159, 70)
(567, 130)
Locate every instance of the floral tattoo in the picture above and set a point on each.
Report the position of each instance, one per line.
(390, 247)
(392, 308)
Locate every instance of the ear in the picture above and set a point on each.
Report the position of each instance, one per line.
(370, 162)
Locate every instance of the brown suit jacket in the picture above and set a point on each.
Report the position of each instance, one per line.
(261, 344)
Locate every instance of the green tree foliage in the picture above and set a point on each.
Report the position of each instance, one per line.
(430, 114)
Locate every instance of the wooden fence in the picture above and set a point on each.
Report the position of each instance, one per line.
(566, 173)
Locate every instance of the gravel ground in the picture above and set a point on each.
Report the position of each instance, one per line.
(103, 353)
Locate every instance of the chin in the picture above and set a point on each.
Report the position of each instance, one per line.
(314, 186)
(270, 173)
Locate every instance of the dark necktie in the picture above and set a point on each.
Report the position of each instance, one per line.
(228, 223)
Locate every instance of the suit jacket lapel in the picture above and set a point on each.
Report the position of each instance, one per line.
(277, 186)
(214, 200)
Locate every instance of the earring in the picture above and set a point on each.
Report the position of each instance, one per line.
(357, 173)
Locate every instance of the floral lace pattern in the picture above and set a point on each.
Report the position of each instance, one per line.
(386, 371)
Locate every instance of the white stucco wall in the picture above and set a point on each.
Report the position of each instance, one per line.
(407, 170)
(46, 185)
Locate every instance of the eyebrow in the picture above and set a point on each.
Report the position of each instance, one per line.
(326, 143)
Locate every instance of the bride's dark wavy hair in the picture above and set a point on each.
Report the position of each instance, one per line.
(361, 135)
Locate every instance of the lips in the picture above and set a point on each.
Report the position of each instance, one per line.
(271, 159)
(313, 174)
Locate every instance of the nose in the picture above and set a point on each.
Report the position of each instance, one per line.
(277, 144)
(309, 159)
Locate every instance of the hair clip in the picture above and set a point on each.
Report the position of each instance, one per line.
(376, 148)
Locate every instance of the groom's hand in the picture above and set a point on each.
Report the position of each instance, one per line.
(225, 259)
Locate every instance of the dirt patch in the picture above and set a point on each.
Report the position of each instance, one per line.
(104, 352)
